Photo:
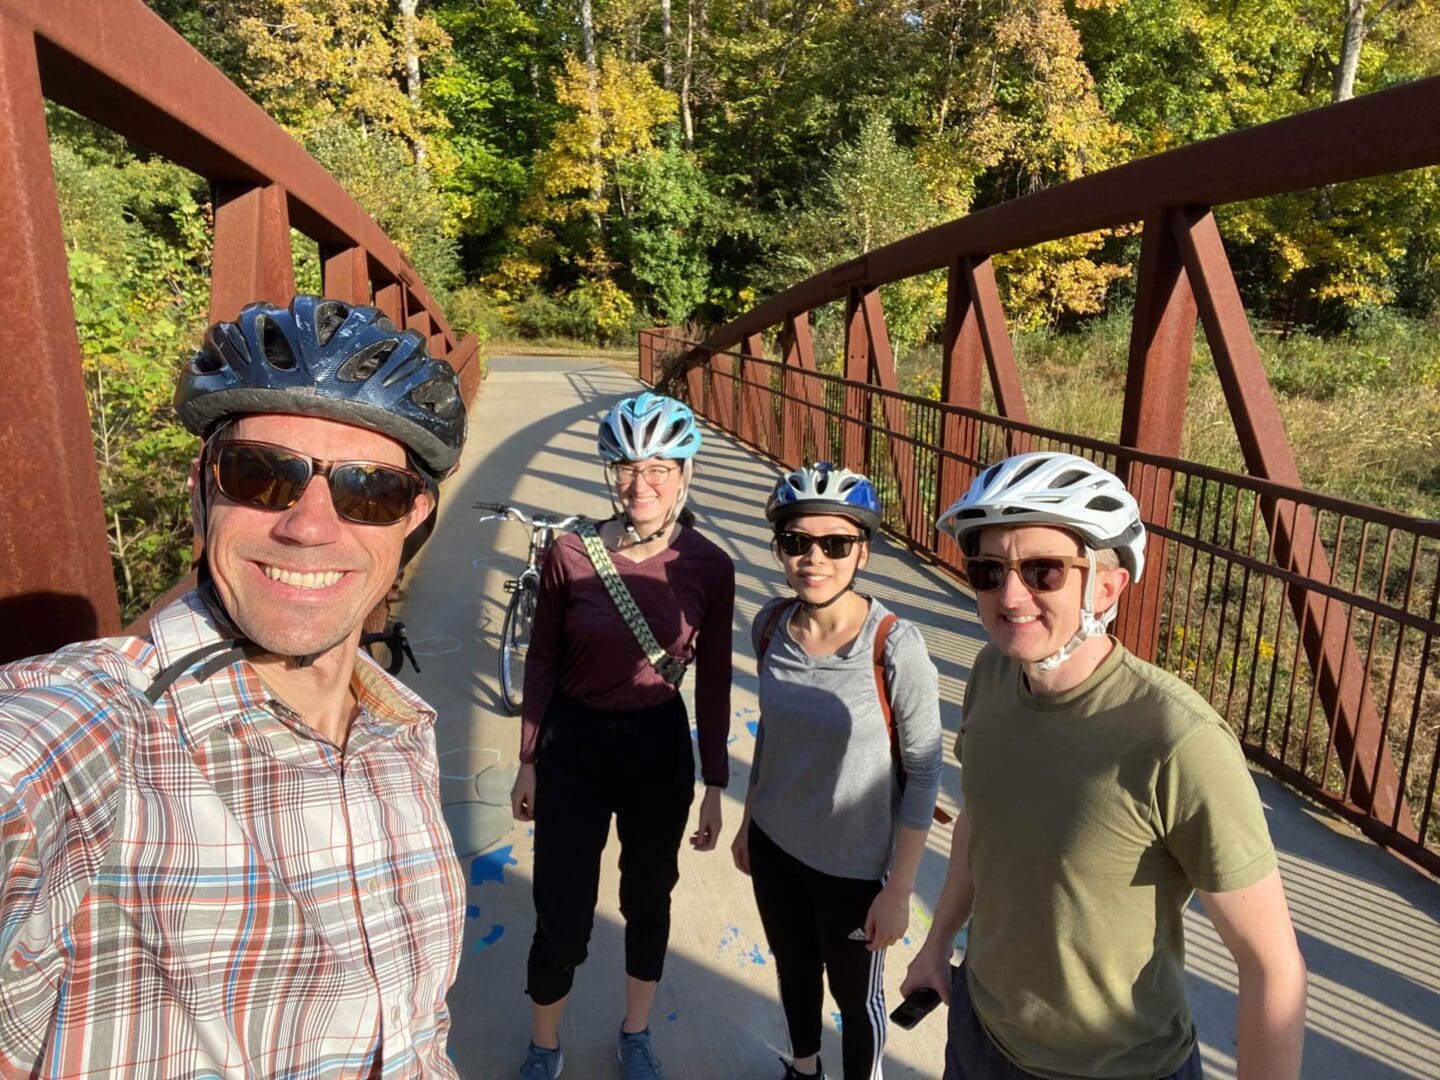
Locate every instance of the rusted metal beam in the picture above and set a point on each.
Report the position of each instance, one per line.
(757, 406)
(345, 273)
(56, 581)
(999, 353)
(118, 63)
(882, 374)
(1385, 132)
(1337, 669)
(252, 258)
(390, 298)
(804, 396)
(1157, 383)
(962, 369)
(855, 436)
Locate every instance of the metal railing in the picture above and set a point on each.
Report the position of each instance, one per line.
(1248, 632)
(1307, 611)
(117, 63)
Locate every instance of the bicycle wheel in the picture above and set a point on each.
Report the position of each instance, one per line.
(514, 643)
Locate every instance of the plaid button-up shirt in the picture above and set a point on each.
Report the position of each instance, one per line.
(205, 887)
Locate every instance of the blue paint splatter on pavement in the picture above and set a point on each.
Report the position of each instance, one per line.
(491, 866)
(839, 1023)
(695, 734)
(756, 957)
(672, 1017)
(752, 726)
(496, 933)
(530, 831)
(472, 911)
(905, 940)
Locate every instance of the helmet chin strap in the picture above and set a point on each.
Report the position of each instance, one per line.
(1090, 625)
(826, 603)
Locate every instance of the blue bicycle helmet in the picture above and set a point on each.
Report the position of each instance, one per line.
(823, 488)
(333, 360)
(648, 426)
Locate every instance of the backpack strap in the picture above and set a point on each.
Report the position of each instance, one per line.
(882, 685)
(767, 632)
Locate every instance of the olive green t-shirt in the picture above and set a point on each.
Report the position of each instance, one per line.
(1094, 815)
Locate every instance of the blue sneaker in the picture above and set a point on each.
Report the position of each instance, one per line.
(637, 1058)
(542, 1064)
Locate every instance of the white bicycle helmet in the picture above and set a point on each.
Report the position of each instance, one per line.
(1068, 492)
(648, 426)
(823, 488)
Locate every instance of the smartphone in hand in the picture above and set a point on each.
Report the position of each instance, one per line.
(918, 1005)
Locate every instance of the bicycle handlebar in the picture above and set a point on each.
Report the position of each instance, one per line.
(511, 513)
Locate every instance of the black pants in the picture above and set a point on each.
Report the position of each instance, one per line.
(590, 764)
(815, 923)
(970, 1054)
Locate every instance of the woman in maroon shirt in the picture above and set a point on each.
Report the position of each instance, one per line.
(605, 734)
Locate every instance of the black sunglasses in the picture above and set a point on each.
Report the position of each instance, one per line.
(271, 477)
(1041, 573)
(835, 546)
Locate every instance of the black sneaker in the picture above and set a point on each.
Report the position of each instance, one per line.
(791, 1074)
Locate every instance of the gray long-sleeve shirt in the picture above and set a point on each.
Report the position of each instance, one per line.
(825, 785)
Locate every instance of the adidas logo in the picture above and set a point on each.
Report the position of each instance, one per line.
(857, 935)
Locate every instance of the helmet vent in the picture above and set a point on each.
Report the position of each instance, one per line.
(207, 362)
(275, 345)
(328, 319)
(1070, 476)
(1026, 471)
(1104, 502)
(405, 370)
(366, 362)
(437, 397)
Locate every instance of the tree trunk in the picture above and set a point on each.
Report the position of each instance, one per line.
(666, 75)
(1350, 45)
(597, 188)
(687, 77)
(412, 71)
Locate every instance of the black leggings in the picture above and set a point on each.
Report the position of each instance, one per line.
(812, 921)
(639, 766)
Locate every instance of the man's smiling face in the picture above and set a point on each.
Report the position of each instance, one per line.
(300, 581)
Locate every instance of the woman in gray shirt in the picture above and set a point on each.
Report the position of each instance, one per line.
(846, 770)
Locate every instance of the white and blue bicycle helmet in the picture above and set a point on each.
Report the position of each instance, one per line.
(648, 426)
(823, 488)
(1066, 492)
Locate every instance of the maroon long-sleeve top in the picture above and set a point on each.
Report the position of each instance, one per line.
(581, 647)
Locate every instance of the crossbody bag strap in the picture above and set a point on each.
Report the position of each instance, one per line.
(882, 684)
(670, 668)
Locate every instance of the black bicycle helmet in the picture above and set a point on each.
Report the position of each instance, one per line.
(329, 359)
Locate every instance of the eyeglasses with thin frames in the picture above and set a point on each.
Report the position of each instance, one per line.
(654, 475)
(1038, 573)
(834, 545)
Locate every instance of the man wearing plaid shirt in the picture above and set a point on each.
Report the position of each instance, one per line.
(221, 845)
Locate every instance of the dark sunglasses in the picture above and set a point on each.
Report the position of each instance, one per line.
(834, 546)
(1040, 573)
(271, 477)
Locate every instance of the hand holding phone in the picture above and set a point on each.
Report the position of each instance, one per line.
(918, 1005)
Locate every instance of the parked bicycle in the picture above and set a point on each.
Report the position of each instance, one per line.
(523, 590)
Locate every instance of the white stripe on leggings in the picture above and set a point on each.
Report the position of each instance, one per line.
(875, 1010)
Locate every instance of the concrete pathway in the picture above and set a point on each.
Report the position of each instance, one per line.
(1369, 925)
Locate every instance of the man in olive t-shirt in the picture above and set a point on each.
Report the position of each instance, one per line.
(1100, 793)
